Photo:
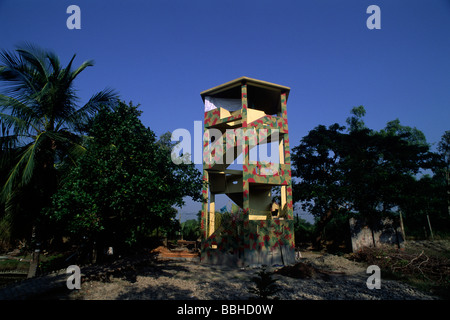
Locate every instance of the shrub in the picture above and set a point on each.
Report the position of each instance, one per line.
(264, 285)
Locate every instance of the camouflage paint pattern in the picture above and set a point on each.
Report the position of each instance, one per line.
(241, 240)
(205, 188)
(238, 240)
(212, 118)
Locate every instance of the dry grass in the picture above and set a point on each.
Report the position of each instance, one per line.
(426, 265)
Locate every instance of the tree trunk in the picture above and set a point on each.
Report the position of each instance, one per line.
(447, 176)
(402, 226)
(317, 240)
(429, 225)
(34, 255)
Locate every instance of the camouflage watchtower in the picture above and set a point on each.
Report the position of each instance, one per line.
(240, 116)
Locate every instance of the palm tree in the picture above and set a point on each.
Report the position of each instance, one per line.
(41, 120)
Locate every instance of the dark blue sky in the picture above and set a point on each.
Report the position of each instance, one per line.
(163, 53)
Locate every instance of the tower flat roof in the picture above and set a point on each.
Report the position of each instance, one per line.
(250, 81)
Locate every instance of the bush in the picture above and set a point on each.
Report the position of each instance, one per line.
(190, 230)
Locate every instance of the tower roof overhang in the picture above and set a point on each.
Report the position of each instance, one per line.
(249, 81)
(264, 95)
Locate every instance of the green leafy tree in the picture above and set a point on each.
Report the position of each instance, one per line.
(125, 186)
(444, 151)
(411, 135)
(425, 198)
(428, 198)
(41, 120)
(318, 165)
(355, 122)
(359, 172)
(378, 169)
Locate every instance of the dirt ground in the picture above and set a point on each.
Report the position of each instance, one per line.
(315, 276)
(322, 277)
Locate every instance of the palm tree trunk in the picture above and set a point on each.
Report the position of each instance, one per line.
(34, 255)
(47, 183)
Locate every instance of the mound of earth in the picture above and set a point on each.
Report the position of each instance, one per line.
(164, 252)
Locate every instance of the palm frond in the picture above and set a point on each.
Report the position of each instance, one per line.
(8, 142)
(68, 144)
(24, 167)
(16, 74)
(37, 100)
(84, 65)
(75, 152)
(19, 126)
(83, 114)
(20, 110)
(8, 187)
(35, 56)
(54, 61)
(66, 73)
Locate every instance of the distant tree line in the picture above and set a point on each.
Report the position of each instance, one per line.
(354, 171)
(358, 171)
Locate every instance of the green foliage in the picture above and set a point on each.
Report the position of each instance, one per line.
(191, 229)
(425, 196)
(443, 169)
(125, 185)
(429, 195)
(39, 112)
(412, 135)
(360, 171)
(53, 262)
(444, 148)
(356, 122)
(303, 230)
(316, 161)
(264, 286)
(336, 234)
(5, 232)
(40, 125)
(15, 264)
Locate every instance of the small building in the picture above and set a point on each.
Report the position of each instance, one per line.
(240, 116)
